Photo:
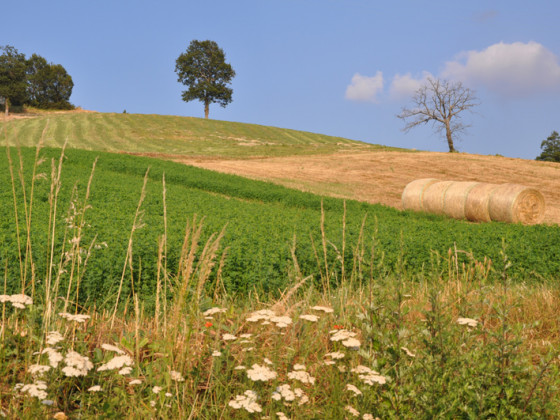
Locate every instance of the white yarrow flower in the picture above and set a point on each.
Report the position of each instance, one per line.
(95, 388)
(352, 411)
(79, 318)
(310, 318)
(37, 389)
(351, 343)
(354, 389)
(38, 369)
(213, 311)
(468, 322)
(324, 309)
(335, 355)
(302, 376)
(110, 347)
(53, 338)
(54, 356)
(76, 364)
(247, 401)
(261, 373)
(116, 362)
(176, 376)
(229, 337)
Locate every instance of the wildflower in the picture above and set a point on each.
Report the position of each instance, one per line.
(468, 322)
(168, 394)
(284, 391)
(240, 367)
(116, 362)
(156, 389)
(371, 378)
(263, 314)
(302, 376)
(281, 321)
(37, 389)
(208, 324)
(335, 355)
(303, 399)
(299, 367)
(79, 318)
(38, 369)
(229, 337)
(5, 298)
(135, 382)
(76, 364)
(53, 338)
(60, 416)
(268, 361)
(247, 401)
(20, 301)
(216, 353)
(338, 327)
(125, 371)
(176, 376)
(281, 416)
(310, 318)
(54, 356)
(112, 348)
(95, 388)
(329, 362)
(213, 311)
(261, 373)
(324, 309)
(368, 417)
(342, 335)
(152, 403)
(408, 352)
(352, 411)
(354, 389)
(351, 343)
(246, 335)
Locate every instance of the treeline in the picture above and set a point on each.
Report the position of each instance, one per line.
(32, 81)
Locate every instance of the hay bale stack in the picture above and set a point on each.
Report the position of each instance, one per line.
(516, 204)
(413, 193)
(456, 197)
(476, 204)
(434, 197)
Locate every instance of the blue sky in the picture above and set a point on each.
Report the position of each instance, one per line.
(337, 67)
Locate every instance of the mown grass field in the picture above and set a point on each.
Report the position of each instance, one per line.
(118, 302)
(172, 135)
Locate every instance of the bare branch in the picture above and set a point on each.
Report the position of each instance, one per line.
(440, 102)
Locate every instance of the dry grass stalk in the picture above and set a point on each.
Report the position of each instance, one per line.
(137, 224)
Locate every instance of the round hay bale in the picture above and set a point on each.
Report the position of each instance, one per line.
(476, 204)
(516, 204)
(414, 192)
(432, 202)
(456, 197)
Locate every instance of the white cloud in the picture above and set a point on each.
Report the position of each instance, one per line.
(365, 88)
(517, 69)
(403, 87)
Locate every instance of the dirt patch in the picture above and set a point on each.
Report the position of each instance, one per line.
(380, 177)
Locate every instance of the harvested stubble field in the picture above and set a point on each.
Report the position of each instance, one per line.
(381, 176)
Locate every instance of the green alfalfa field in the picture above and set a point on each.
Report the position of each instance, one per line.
(370, 311)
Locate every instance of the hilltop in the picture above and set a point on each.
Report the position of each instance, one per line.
(306, 161)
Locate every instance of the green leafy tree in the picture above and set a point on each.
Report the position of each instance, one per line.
(203, 69)
(550, 148)
(13, 84)
(49, 85)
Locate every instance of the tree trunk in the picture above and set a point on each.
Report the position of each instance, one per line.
(7, 107)
(206, 109)
(449, 139)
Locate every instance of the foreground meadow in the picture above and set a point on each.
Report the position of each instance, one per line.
(351, 337)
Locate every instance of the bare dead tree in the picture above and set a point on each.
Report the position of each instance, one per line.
(441, 102)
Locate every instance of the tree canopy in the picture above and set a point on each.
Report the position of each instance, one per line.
(550, 148)
(203, 69)
(33, 81)
(441, 102)
(13, 82)
(49, 85)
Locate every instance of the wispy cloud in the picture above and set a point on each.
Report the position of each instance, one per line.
(365, 88)
(510, 70)
(485, 15)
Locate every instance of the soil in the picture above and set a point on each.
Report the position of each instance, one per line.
(380, 177)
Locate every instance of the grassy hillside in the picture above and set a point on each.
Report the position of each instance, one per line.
(171, 135)
(261, 220)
